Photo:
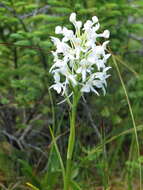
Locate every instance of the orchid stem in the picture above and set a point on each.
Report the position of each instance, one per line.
(71, 143)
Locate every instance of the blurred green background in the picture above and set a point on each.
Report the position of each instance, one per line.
(106, 150)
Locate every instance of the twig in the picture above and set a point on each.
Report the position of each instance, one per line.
(13, 139)
(92, 121)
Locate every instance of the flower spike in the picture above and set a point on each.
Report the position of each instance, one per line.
(79, 61)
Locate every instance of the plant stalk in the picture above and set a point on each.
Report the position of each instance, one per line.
(71, 142)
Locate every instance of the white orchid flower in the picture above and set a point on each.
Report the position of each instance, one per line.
(79, 59)
(94, 19)
(58, 30)
(72, 17)
(58, 87)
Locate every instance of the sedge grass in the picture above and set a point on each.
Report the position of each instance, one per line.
(131, 113)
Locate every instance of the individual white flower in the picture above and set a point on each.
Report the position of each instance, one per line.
(68, 34)
(79, 59)
(57, 77)
(72, 17)
(72, 79)
(61, 46)
(58, 30)
(105, 34)
(88, 25)
(94, 19)
(96, 27)
(89, 87)
(58, 87)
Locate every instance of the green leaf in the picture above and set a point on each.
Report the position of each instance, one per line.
(4, 101)
(86, 11)
(61, 10)
(16, 36)
(46, 18)
(58, 3)
(75, 186)
(22, 43)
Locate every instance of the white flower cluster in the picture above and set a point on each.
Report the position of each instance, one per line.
(79, 60)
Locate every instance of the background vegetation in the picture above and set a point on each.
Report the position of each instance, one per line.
(106, 155)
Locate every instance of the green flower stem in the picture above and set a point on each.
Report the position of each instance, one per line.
(71, 142)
